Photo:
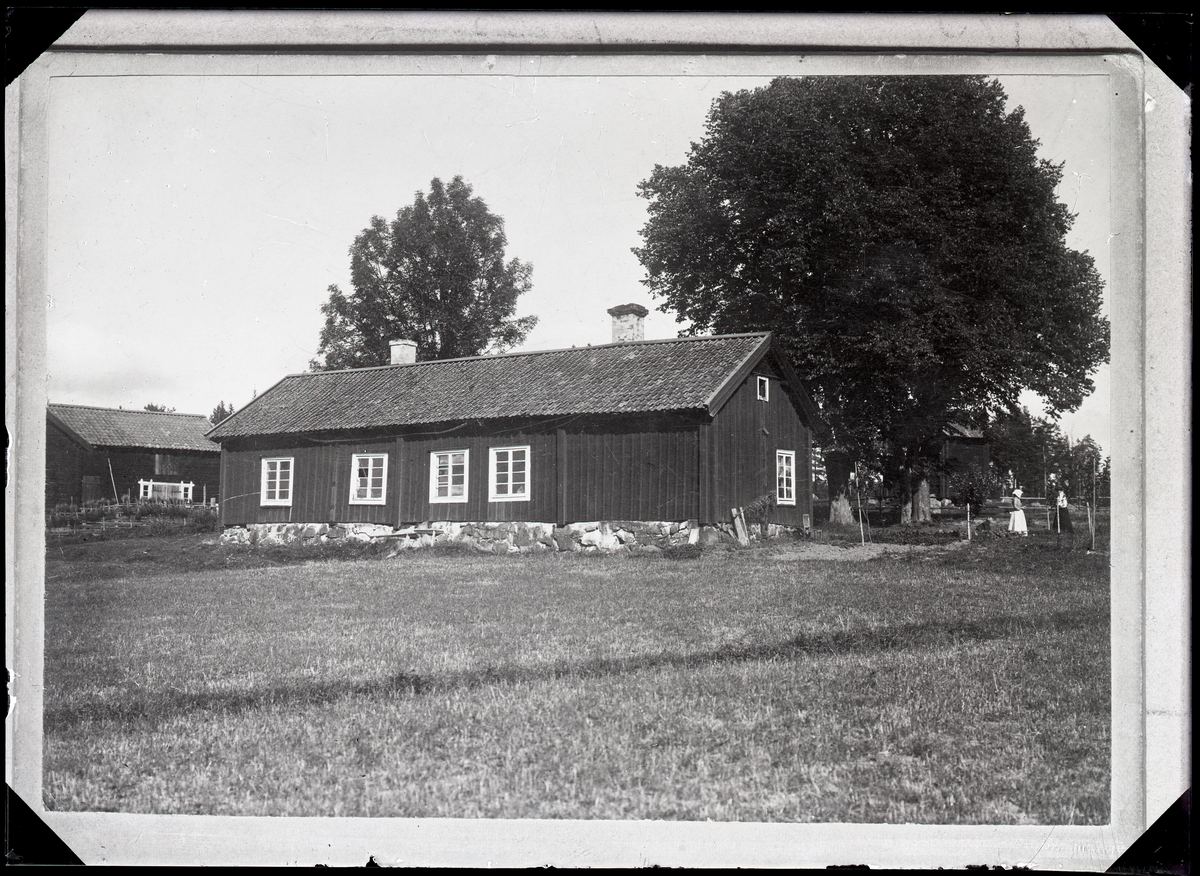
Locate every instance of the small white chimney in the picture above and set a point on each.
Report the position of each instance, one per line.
(627, 323)
(403, 352)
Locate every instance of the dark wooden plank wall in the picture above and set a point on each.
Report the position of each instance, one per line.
(67, 464)
(320, 484)
(959, 455)
(130, 466)
(626, 468)
(64, 469)
(415, 451)
(634, 474)
(741, 446)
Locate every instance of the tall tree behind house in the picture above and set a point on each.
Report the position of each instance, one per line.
(435, 275)
(902, 239)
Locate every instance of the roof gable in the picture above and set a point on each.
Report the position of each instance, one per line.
(634, 377)
(150, 430)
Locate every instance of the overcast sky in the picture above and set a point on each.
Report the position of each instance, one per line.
(196, 223)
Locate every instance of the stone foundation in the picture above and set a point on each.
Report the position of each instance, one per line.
(502, 538)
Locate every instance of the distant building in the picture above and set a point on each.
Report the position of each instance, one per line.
(635, 430)
(95, 454)
(962, 447)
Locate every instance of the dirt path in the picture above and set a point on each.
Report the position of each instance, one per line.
(859, 552)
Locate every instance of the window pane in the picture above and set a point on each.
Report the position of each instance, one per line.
(785, 489)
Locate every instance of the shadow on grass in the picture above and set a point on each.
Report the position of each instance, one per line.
(150, 711)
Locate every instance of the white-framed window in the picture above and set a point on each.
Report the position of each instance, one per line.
(162, 491)
(448, 475)
(508, 474)
(277, 481)
(785, 477)
(764, 388)
(368, 479)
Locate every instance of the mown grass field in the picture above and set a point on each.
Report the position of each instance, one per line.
(963, 685)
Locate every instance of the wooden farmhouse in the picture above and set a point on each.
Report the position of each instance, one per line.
(661, 430)
(108, 454)
(962, 447)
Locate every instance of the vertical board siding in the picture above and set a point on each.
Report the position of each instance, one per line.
(745, 434)
(666, 467)
(320, 485)
(415, 506)
(634, 475)
(67, 464)
(64, 469)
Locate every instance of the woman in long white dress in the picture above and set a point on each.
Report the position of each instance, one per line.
(1016, 520)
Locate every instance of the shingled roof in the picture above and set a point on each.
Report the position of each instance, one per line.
(149, 430)
(635, 377)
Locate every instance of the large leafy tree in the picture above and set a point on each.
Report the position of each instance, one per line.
(436, 275)
(901, 237)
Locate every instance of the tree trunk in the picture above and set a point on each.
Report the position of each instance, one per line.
(837, 470)
(840, 512)
(904, 483)
(920, 502)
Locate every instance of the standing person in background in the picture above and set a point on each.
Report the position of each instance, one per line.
(1016, 520)
(1062, 514)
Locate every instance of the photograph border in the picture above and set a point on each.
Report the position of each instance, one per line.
(1150, 298)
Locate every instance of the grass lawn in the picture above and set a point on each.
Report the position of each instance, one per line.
(963, 685)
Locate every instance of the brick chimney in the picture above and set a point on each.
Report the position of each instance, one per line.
(627, 322)
(403, 352)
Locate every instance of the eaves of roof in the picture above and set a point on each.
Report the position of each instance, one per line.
(611, 379)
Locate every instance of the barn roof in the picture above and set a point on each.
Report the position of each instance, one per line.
(150, 430)
(634, 377)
